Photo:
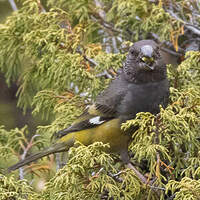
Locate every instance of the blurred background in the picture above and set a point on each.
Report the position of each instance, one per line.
(10, 115)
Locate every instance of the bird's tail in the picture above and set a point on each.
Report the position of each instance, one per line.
(55, 148)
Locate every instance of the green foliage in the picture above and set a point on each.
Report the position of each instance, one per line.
(89, 174)
(53, 61)
(57, 58)
(11, 141)
(160, 22)
(12, 189)
(140, 16)
(80, 9)
(188, 188)
(64, 107)
(188, 72)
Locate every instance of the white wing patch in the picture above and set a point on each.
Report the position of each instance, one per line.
(96, 120)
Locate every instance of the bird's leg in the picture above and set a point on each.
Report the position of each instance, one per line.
(125, 158)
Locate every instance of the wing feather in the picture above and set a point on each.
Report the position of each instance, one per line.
(105, 108)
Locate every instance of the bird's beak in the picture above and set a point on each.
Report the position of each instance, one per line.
(147, 53)
(151, 67)
(148, 62)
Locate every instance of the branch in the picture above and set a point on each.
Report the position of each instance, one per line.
(171, 52)
(192, 28)
(41, 7)
(116, 176)
(13, 5)
(104, 23)
(180, 52)
(187, 25)
(26, 149)
(138, 174)
(90, 60)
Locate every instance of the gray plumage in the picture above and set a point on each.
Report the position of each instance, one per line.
(139, 87)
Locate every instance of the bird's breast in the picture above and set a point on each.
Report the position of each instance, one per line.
(143, 98)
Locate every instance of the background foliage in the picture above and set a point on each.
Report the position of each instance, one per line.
(62, 54)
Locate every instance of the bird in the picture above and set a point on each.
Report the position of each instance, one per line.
(140, 86)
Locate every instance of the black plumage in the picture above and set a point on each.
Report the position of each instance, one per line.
(141, 86)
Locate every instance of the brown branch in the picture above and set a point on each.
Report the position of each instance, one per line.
(26, 149)
(104, 23)
(187, 25)
(13, 5)
(169, 45)
(138, 174)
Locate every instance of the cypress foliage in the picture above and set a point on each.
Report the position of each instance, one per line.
(61, 56)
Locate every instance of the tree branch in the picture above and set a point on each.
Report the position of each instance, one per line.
(13, 5)
(23, 156)
(189, 26)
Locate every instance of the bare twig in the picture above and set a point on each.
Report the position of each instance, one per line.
(138, 174)
(41, 7)
(171, 52)
(91, 61)
(26, 149)
(116, 50)
(166, 43)
(189, 26)
(95, 175)
(116, 176)
(101, 11)
(105, 73)
(157, 188)
(193, 29)
(105, 24)
(13, 5)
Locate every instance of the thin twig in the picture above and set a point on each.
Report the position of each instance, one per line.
(104, 73)
(26, 149)
(156, 188)
(90, 60)
(13, 5)
(138, 174)
(171, 52)
(190, 27)
(116, 176)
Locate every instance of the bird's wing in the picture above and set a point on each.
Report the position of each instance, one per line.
(104, 109)
(93, 116)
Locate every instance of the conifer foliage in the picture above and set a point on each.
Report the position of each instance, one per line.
(62, 54)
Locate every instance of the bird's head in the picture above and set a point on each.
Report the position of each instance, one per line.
(144, 62)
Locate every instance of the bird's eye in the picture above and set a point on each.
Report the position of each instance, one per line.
(132, 51)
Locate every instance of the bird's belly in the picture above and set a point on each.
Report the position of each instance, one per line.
(109, 132)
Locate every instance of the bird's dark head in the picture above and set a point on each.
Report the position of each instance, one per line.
(144, 63)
